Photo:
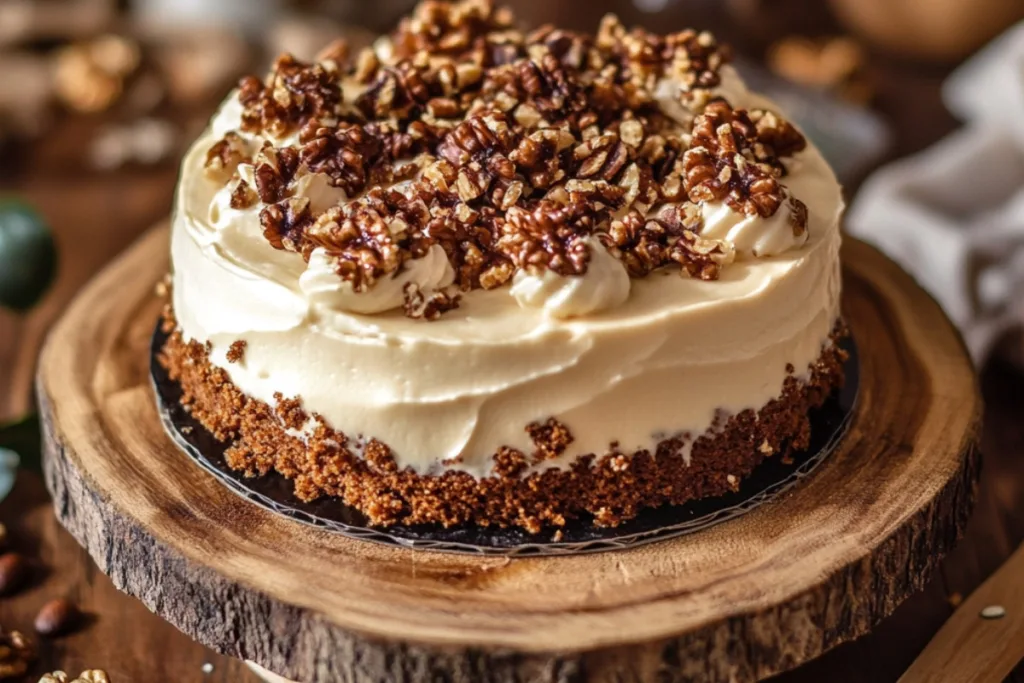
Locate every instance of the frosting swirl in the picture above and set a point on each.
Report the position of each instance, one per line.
(605, 285)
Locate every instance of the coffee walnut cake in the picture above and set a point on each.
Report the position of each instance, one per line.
(487, 276)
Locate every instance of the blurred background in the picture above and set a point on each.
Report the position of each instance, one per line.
(919, 105)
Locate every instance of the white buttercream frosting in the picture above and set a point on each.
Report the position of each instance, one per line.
(322, 286)
(731, 86)
(752, 236)
(605, 285)
(615, 359)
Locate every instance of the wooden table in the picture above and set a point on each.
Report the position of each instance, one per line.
(96, 216)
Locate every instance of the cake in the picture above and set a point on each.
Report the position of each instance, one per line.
(476, 275)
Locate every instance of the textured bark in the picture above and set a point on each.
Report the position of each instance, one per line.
(741, 601)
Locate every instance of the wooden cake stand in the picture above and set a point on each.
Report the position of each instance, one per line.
(740, 601)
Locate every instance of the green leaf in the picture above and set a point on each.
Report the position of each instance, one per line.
(24, 438)
(28, 255)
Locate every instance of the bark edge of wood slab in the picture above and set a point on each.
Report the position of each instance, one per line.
(743, 600)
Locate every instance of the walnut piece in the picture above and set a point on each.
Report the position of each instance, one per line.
(730, 162)
(293, 94)
(16, 654)
(546, 235)
(223, 158)
(427, 307)
(88, 676)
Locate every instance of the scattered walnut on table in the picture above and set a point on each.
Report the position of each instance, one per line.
(57, 617)
(88, 676)
(90, 76)
(16, 653)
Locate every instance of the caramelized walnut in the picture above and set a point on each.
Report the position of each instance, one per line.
(398, 92)
(345, 154)
(427, 307)
(223, 158)
(454, 29)
(546, 235)
(512, 149)
(371, 237)
(284, 223)
(729, 162)
(645, 244)
(293, 94)
(701, 258)
(273, 172)
(479, 137)
(601, 157)
(780, 135)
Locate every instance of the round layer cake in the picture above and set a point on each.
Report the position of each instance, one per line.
(480, 275)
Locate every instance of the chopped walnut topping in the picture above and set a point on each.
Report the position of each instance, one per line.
(538, 156)
(486, 136)
(730, 162)
(548, 235)
(243, 196)
(701, 258)
(294, 94)
(777, 133)
(454, 29)
(496, 275)
(602, 157)
(427, 307)
(672, 236)
(223, 158)
(511, 149)
(691, 57)
(397, 92)
(284, 224)
(274, 171)
(371, 237)
(345, 154)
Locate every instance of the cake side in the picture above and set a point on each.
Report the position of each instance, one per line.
(613, 487)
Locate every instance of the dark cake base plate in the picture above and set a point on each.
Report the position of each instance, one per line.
(274, 492)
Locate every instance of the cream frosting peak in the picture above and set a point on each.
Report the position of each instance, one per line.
(752, 236)
(605, 285)
(322, 286)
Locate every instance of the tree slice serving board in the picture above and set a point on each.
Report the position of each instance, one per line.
(743, 600)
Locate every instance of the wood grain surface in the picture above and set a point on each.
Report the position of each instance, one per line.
(984, 639)
(746, 599)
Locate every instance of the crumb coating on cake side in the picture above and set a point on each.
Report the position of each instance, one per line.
(611, 488)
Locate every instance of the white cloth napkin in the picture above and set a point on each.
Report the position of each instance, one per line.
(953, 215)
